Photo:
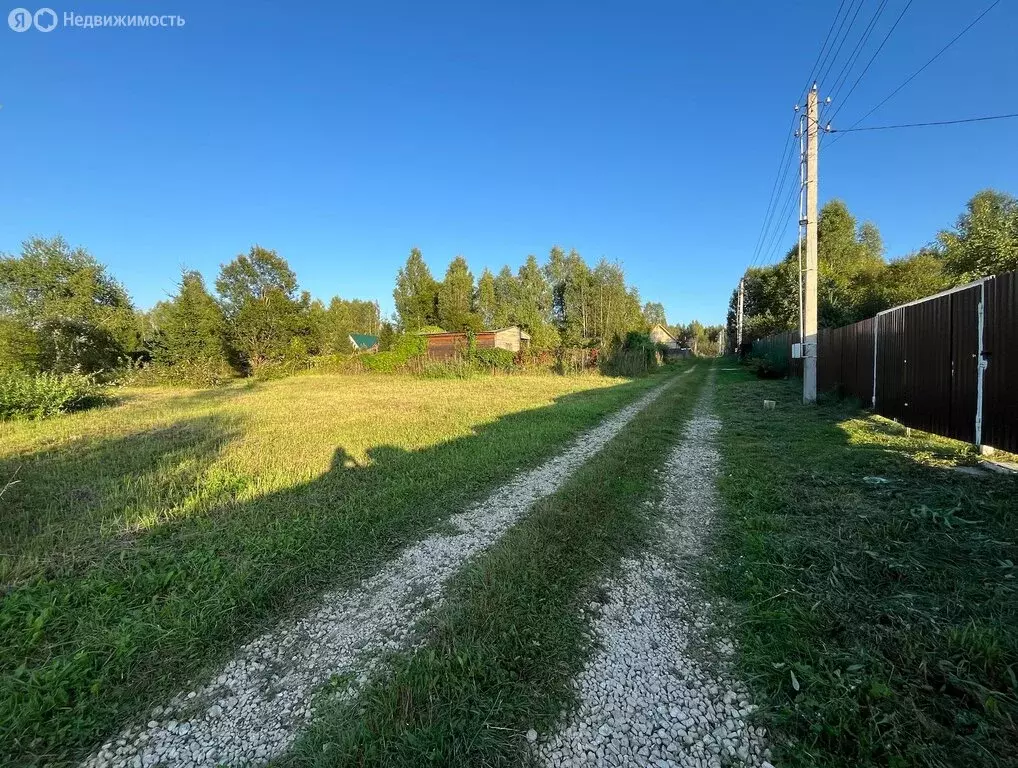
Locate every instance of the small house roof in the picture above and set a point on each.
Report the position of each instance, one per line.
(523, 333)
(663, 330)
(363, 340)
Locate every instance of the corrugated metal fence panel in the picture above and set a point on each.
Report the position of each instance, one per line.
(964, 359)
(927, 365)
(862, 385)
(830, 366)
(925, 368)
(891, 364)
(845, 363)
(1000, 379)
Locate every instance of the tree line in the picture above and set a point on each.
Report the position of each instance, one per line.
(61, 311)
(855, 281)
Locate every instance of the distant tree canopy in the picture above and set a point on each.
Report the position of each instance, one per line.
(854, 280)
(563, 302)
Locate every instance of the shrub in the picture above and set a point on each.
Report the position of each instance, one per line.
(491, 358)
(636, 356)
(404, 348)
(36, 396)
(197, 374)
(768, 366)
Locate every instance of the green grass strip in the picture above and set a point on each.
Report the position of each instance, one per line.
(503, 649)
(877, 587)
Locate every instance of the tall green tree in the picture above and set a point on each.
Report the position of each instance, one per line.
(654, 314)
(912, 278)
(416, 294)
(267, 321)
(61, 311)
(345, 317)
(984, 241)
(255, 275)
(533, 305)
(487, 303)
(456, 298)
(191, 326)
(507, 298)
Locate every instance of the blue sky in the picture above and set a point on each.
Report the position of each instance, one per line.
(343, 134)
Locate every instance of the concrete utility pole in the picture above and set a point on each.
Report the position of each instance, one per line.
(809, 320)
(738, 324)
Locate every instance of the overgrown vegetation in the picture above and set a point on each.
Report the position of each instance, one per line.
(875, 585)
(504, 648)
(144, 541)
(38, 395)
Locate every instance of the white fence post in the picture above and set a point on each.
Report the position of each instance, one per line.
(876, 326)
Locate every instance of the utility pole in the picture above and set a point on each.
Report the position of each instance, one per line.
(809, 320)
(738, 324)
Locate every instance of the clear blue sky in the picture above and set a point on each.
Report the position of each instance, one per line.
(342, 134)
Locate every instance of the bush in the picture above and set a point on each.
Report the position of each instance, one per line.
(37, 396)
(404, 348)
(492, 358)
(636, 356)
(199, 375)
(768, 366)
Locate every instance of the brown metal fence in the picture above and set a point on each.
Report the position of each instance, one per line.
(946, 364)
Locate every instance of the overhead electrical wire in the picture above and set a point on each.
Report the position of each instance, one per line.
(864, 38)
(781, 178)
(813, 70)
(841, 102)
(915, 74)
(924, 125)
(848, 30)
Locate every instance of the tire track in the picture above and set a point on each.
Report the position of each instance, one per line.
(253, 709)
(659, 692)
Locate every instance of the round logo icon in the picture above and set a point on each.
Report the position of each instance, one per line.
(45, 20)
(20, 19)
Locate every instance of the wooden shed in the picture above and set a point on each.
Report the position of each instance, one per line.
(448, 345)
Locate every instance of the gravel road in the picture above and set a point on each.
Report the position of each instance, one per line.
(659, 690)
(254, 707)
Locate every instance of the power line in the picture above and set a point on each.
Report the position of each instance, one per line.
(769, 212)
(813, 70)
(939, 53)
(781, 180)
(778, 215)
(844, 101)
(848, 30)
(923, 125)
(864, 38)
(774, 246)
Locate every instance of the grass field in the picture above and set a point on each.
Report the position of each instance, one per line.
(503, 650)
(141, 542)
(876, 587)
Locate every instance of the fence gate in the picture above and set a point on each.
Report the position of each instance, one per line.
(947, 364)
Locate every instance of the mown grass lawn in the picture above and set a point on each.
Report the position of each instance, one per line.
(876, 587)
(141, 542)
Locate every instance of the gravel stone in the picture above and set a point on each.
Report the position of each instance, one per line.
(245, 715)
(657, 667)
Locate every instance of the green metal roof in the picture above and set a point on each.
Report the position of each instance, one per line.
(363, 340)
